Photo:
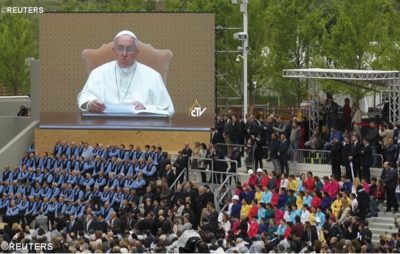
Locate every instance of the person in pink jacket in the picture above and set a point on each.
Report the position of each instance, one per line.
(278, 215)
(331, 186)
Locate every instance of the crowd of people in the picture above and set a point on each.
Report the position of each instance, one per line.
(342, 137)
(113, 199)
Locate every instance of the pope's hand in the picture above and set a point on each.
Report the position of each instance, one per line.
(96, 106)
(138, 105)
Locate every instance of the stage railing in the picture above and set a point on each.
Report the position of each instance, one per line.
(324, 157)
(377, 161)
(210, 166)
(221, 199)
(227, 148)
(229, 161)
(224, 180)
(177, 178)
(245, 152)
(300, 159)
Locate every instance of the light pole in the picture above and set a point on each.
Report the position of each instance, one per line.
(243, 9)
(244, 37)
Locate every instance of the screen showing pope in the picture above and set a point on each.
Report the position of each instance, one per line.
(125, 85)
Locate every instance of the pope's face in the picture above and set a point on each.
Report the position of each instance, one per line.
(125, 51)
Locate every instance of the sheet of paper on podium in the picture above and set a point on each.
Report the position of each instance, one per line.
(130, 110)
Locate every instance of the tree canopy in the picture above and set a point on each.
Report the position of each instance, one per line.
(358, 34)
(17, 44)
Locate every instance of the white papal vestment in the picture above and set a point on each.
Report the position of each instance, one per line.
(111, 84)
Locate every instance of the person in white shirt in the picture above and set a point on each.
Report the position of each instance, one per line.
(354, 202)
(225, 224)
(305, 214)
(125, 81)
(87, 151)
(285, 181)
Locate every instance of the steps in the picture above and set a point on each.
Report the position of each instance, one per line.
(383, 224)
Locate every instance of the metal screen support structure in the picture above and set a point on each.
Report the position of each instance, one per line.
(313, 110)
(387, 80)
(394, 101)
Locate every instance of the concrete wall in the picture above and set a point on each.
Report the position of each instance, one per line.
(9, 105)
(326, 170)
(12, 152)
(10, 127)
(319, 170)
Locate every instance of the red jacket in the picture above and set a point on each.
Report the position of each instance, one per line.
(278, 183)
(332, 188)
(309, 184)
(366, 187)
(253, 211)
(252, 180)
(264, 181)
(288, 231)
(315, 201)
(335, 188)
(278, 216)
(253, 228)
(235, 226)
(379, 193)
(274, 199)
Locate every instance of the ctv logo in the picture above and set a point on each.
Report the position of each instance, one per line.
(196, 110)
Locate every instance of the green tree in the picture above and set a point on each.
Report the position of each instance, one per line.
(357, 34)
(360, 34)
(16, 45)
(294, 32)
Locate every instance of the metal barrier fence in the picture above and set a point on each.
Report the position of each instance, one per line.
(227, 180)
(228, 148)
(300, 155)
(182, 174)
(210, 164)
(378, 161)
(324, 157)
(223, 197)
(246, 152)
(310, 160)
(210, 171)
(313, 156)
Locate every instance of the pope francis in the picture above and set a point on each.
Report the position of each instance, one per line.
(125, 81)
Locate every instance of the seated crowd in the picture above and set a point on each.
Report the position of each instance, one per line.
(306, 213)
(113, 199)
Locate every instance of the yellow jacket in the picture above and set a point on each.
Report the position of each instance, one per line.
(293, 185)
(311, 218)
(244, 211)
(299, 201)
(336, 205)
(258, 196)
